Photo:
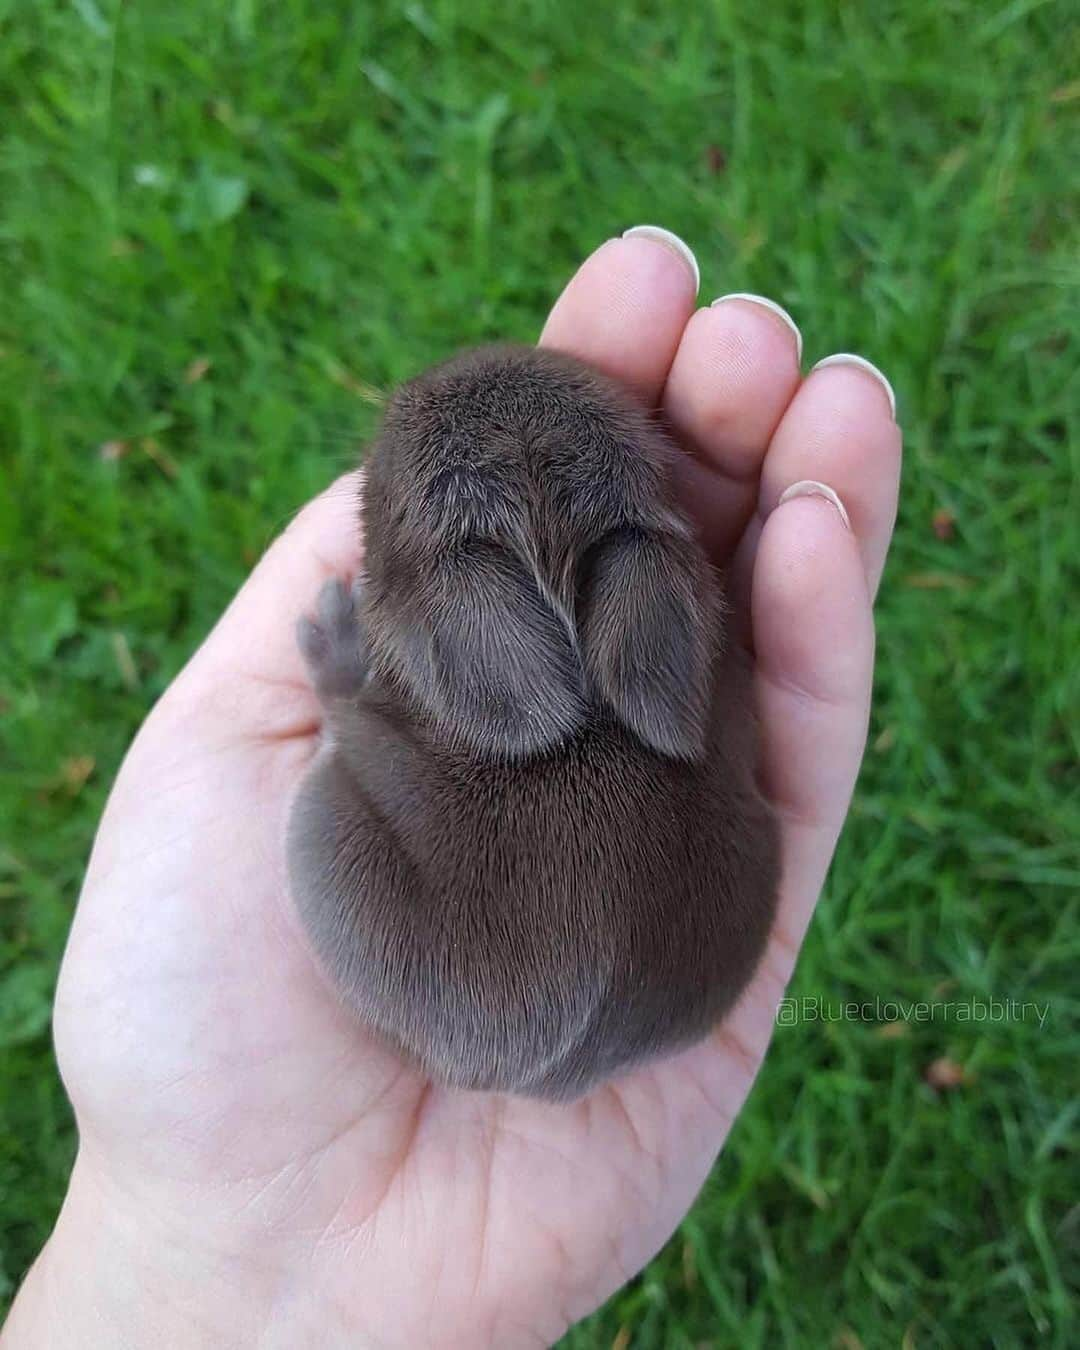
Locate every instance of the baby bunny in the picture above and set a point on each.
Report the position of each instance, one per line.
(531, 852)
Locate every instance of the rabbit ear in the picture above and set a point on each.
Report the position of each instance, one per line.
(647, 611)
(491, 659)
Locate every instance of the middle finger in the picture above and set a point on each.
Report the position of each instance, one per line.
(734, 374)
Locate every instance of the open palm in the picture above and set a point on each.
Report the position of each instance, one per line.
(218, 1085)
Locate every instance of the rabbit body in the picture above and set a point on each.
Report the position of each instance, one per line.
(531, 852)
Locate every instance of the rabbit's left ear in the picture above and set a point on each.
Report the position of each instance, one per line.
(646, 613)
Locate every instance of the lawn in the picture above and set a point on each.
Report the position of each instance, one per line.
(226, 229)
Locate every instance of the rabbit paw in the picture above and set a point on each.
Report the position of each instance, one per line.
(334, 644)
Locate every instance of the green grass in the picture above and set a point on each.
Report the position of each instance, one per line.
(318, 198)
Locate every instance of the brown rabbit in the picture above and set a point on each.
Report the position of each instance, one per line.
(531, 852)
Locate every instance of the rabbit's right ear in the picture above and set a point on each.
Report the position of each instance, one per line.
(646, 614)
(490, 658)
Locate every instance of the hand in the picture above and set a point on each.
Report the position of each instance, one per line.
(254, 1167)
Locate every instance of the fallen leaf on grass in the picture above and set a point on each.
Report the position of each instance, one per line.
(197, 369)
(945, 1074)
(955, 159)
(125, 662)
(75, 772)
(715, 159)
(71, 776)
(816, 1194)
(689, 1266)
(944, 523)
(151, 448)
(938, 581)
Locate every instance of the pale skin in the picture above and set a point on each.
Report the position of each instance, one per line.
(254, 1169)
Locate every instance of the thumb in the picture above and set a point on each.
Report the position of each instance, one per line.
(249, 674)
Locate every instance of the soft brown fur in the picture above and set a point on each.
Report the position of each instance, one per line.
(531, 852)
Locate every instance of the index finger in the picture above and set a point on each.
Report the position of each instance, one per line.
(625, 308)
(249, 673)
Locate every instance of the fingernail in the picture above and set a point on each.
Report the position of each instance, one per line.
(672, 241)
(773, 308)
(850, 359)
(807, 487)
